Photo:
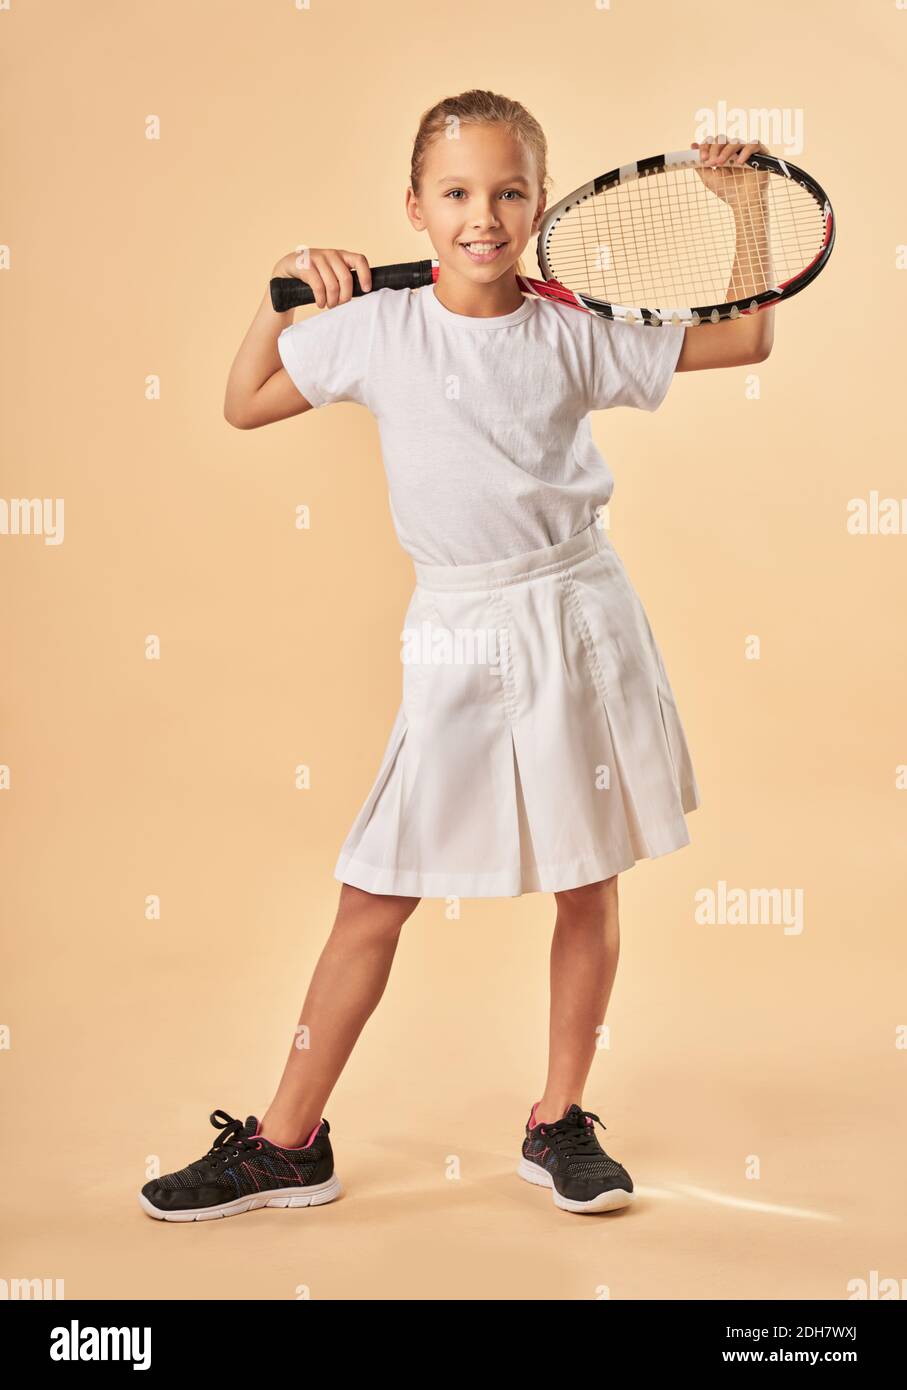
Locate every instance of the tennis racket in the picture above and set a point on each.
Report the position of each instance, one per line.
(663, 240)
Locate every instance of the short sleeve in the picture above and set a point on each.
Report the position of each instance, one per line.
(326, 354)
(632, 363)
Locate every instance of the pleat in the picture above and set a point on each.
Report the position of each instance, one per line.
(563, 763)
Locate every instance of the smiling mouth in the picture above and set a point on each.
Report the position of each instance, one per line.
(482, 252)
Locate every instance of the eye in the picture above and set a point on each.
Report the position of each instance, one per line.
(515, 191)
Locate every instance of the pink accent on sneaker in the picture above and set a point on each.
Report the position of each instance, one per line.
(533, 1121)
(289, 1147)
(251, 1173)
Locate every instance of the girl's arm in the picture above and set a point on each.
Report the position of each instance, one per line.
(736, 342)
(258, 388)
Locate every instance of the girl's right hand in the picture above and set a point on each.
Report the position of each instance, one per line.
(326, 272)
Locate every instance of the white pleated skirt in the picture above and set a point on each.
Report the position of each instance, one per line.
(538, 745)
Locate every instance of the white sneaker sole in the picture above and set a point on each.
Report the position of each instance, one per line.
(313, 1196)
(611, 1200)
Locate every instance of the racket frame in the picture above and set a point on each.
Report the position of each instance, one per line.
(693, 315)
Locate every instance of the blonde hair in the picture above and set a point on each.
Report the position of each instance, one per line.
(478, 107)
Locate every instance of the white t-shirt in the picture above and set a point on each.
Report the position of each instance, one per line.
(484, 425)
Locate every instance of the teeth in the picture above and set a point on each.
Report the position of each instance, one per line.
(480, 246)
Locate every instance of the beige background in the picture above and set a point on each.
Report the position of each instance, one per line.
(129, 777)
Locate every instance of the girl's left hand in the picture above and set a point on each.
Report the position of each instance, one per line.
(718, 153)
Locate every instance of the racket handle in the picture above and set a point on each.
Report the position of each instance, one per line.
(287, 292)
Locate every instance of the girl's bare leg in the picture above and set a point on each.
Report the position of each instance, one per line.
(347, 983)
(584, 953)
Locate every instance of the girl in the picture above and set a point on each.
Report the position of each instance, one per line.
(538, 747)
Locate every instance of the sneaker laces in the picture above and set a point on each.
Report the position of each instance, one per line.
(574, 1132)
(233, 1138)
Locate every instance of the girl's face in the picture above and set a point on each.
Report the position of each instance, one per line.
(480, 201)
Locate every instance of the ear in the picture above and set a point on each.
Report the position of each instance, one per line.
(413, 211)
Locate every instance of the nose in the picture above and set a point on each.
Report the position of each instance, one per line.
(485, 216)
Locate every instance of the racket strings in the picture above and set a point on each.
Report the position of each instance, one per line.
(668, 240)
(658, 231)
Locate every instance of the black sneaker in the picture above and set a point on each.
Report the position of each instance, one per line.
(566, 1156)
(241, 1171)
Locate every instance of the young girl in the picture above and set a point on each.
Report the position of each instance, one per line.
(538, 747)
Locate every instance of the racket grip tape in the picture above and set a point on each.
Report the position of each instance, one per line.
(288, 292)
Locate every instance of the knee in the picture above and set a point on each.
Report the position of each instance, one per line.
(591, 902)
(381, 912)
